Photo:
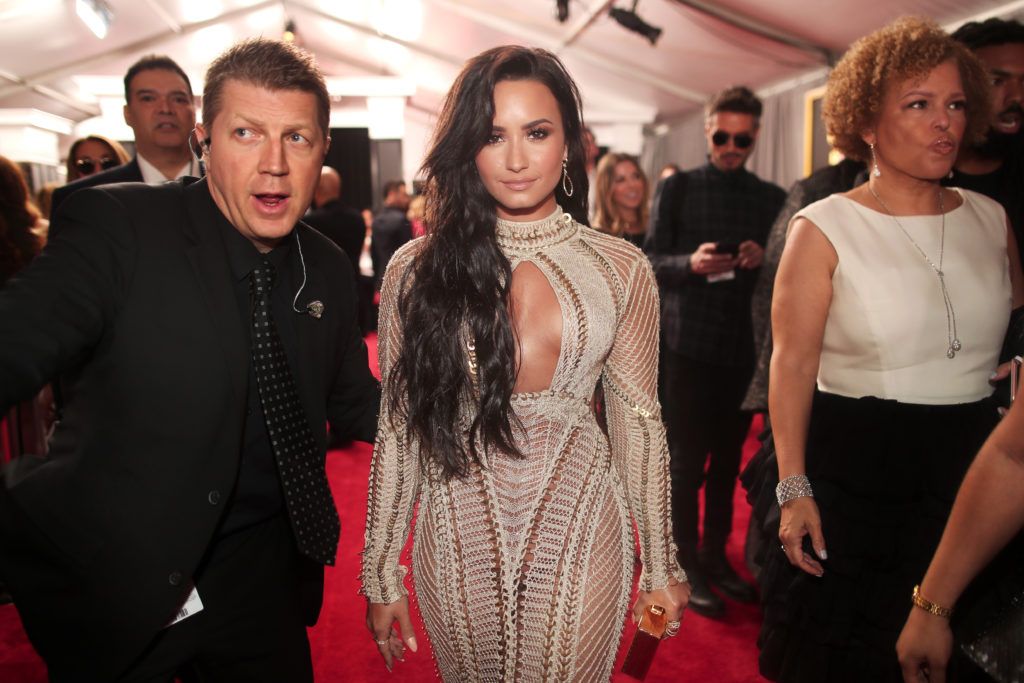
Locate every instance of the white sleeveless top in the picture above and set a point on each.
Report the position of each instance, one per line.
(886, 333)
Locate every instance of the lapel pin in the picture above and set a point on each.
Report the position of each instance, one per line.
(315, 308)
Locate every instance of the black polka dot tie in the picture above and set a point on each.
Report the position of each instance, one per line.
(307, 496)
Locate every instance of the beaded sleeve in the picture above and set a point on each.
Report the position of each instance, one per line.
(637, 435)
(394, 471)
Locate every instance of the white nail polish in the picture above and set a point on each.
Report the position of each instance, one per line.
(823, 554)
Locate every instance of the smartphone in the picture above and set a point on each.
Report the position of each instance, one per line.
(731, 248)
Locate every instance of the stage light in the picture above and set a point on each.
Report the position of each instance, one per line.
(628, 18)
(562, 10)
(96, 14)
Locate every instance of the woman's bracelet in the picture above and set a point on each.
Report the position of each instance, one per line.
(929, 606)
(792, 487)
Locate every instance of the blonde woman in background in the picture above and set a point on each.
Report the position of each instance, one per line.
(621, 203)
(416, 213)
(92, 154)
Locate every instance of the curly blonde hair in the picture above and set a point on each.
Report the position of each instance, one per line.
(909, 47)
(606, 215)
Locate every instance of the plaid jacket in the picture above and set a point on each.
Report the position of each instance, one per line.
(708, 322)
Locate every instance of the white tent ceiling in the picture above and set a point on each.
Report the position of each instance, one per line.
(705, 45)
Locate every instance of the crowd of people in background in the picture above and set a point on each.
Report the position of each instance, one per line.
(868, 314)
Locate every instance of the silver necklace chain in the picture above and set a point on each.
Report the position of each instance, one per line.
(953, 340)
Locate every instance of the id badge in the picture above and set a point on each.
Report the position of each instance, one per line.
(192, 605)
(722, 277)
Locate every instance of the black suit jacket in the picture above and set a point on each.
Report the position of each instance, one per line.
(125, 173)
(341, 225)
(389, 231)
(134, 300)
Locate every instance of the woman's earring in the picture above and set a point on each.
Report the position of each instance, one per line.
(567, 187)
(875, 171)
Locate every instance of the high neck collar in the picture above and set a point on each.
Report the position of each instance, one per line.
(531, 236)
(734, 176)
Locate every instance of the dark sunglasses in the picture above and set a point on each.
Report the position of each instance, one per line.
(741, 140)
(87, 166)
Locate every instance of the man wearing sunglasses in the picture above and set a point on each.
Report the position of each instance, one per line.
(705, 244)
(160, 110)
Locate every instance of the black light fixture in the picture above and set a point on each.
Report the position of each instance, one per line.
(628, 18)
(289, 31)
(562, 10)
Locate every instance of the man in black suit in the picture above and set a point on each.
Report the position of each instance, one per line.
(160, 109)
(183, 518)
(342, 225)
(391, 228)
(346, 228)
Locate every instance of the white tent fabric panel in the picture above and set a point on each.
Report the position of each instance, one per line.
(625, 80)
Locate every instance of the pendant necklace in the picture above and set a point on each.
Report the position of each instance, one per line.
(952, 339)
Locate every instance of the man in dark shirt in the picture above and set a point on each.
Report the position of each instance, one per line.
(996, 167)
(706, 243)
(391, 228)
(342, 225)
(183, 518)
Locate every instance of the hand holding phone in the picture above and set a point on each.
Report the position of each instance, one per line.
(707, 261)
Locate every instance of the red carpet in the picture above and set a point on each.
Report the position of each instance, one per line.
(704, 650)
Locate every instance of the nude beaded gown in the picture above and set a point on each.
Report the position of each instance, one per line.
(523, 569)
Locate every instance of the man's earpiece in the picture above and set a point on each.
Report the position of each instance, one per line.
(198, 147)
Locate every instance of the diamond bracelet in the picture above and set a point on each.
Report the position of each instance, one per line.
(792, 487)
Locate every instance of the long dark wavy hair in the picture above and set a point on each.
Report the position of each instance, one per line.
(460, 279)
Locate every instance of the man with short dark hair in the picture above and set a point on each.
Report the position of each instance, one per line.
(183, 518)
(391, 228)
(160, 110)
(996, 167)
(706, 245)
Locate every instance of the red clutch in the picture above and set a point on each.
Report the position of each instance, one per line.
(649, 633)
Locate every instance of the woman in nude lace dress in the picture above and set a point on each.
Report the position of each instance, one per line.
(495, 329)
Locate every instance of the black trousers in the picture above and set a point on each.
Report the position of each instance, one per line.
(251, 627)
(706, 430)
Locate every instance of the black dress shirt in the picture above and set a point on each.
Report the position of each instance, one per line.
(257, 494)
(702, 320)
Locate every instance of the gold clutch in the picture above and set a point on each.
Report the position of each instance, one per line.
(649, 633)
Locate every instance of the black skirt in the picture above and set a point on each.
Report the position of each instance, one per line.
(884, 476)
